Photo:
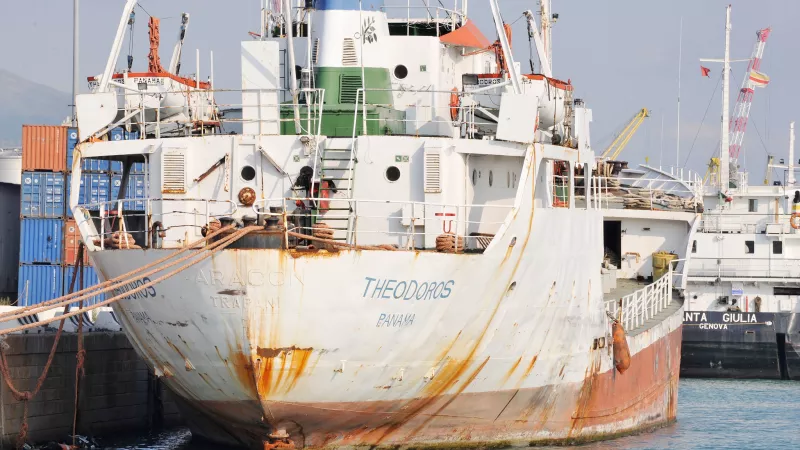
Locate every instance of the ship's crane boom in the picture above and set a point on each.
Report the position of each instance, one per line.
(741, 111)
(533, 32)
(175, 62)
(619, 143)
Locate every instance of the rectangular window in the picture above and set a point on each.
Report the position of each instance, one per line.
(785, 290)
(752, 205)
(749, 247)
(777, 247)
(694, 247)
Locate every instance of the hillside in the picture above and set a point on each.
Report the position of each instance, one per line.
(23, 101)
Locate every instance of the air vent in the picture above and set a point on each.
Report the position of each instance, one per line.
(433, 174)
(173, 173)
(348, 88)
(349, 57)
(315, 52)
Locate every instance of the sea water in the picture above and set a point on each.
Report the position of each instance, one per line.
(712, 414)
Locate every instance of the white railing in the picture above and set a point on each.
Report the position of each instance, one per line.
(402, 223)
(198, 112)
(779, 268)
(634, 310)
(641, 193)
(106, 218)
(729, 222)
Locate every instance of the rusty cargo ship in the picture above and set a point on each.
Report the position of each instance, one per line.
(387, 235)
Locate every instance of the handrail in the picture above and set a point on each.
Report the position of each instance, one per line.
(635, 309)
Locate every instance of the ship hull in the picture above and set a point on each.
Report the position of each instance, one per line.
(597, 409)
(250, 350)
(740, 345)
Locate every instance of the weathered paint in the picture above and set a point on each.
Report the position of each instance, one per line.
(44, 147)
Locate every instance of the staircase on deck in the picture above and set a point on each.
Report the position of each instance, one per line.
(337, 168)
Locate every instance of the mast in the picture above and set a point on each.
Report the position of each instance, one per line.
(75, 61)
(287, 17)
(790, 180)
(724, 155)
(678, 139)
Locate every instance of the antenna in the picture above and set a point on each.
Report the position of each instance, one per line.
(75, 60)
(680, 59)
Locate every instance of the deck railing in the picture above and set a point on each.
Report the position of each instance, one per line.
(635, 309)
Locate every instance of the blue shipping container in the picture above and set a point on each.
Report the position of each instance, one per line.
(95, 188)
(135, 191)
(41, 241)
(98, 165)
(42, 195)
(89, 279)
(39, 284)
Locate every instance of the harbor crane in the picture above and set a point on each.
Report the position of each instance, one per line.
(741, 111)
(622, 139)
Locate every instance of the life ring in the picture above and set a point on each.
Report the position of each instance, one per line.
(794, 221)
(455, 104)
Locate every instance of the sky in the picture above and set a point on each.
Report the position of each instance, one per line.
(621, 56)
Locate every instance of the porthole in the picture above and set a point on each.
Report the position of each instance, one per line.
(400, 71)
(392, 173)
(474, 177)
(248, 173)
(491, 178)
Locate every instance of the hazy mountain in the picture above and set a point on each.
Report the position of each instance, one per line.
(26, 102)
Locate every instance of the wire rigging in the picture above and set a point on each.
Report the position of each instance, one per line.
(700, 127)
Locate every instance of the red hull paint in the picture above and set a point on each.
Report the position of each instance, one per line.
(605, 405)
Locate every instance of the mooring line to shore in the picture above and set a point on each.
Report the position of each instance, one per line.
(107, 286)
(210, 250)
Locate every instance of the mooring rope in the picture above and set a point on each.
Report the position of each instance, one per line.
(94, 290)
(208, 251)
(50, 304)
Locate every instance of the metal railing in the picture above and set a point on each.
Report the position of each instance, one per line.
(107, 218)
(199, 112)
(727, 222)
(635, 309)
(779, 268)
(433, 14)
(641, 193)
(405, 224)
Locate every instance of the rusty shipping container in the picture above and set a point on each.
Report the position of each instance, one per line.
(44, 148)
(72, 239)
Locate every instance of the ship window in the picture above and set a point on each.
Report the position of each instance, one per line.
(392, 173)
(474, 177)
(777, 247)
(491, 178)
(749, 247)
(400, 71)
(785, 290)
(752, 205)
(248, 173)
(694, 246)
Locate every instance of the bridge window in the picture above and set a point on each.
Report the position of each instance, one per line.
(777, 247)
(752, 205)
(749, 247)
(694, 246)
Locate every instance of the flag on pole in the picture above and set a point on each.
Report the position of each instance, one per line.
(758, 79)
(704, 71)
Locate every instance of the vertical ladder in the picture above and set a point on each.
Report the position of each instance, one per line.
(337, 165)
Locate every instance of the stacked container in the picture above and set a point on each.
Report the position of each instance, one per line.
(42, 209)
(49, 236)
